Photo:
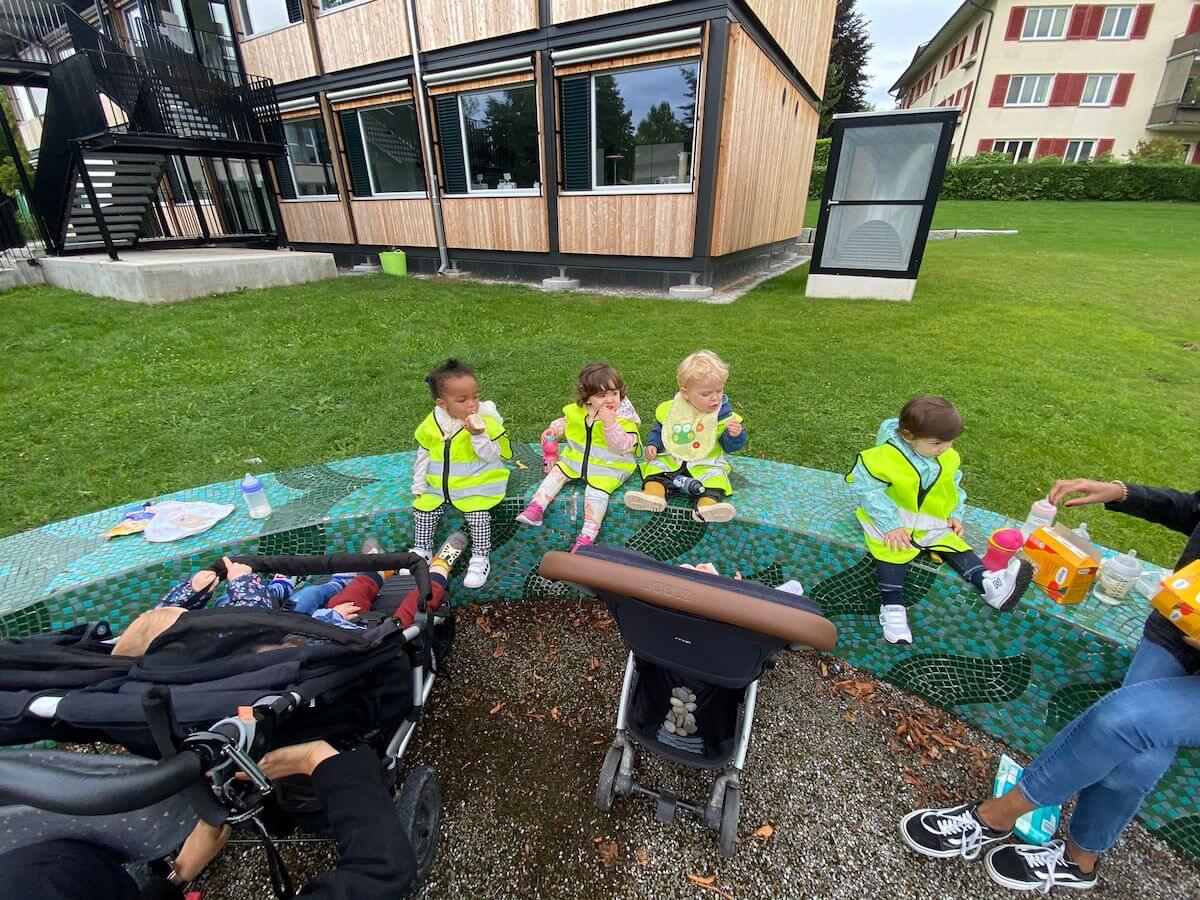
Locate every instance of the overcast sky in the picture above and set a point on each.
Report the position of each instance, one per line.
(896, 27)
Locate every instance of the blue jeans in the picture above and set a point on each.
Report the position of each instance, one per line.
(1113, 755)
(311, 597)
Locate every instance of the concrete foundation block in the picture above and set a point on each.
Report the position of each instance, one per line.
(860, 287)
(691, 291)
(560, 283)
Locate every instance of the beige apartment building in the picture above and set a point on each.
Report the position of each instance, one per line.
(1070, 80)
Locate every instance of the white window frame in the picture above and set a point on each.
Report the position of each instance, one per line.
(535, 191)
(1038, 12)
(292, 166)
(245, 22)
(375, 192)
(323, 9)
(1023, 152)
(1020, 79)
(1078, 156)
(1115, 12)
(1095, 82)
(1189, 150)
(687, 188)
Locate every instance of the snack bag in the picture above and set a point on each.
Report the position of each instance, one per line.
(1179, 599)
(135, 521)
(1037, 827)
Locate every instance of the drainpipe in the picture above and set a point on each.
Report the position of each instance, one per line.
(431, 181)
(987, 36)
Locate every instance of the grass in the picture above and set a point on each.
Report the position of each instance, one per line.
(1066, 347)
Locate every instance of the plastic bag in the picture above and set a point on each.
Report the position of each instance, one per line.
(174, 519)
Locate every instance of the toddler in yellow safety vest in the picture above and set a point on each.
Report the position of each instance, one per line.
(600, 448)
(692, 437)
(911, 500)
(460, 463)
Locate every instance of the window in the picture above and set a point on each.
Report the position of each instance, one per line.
(1116, 22)
(1045, 23)
(1028, 90)
(195, 169)
(336, 4)
(31, 102)
(259, 16)
(308, 157)
(1079, 151)
(500, 138)
(644, 127)
(393, 148)
(1017, 150)
(1097, 90)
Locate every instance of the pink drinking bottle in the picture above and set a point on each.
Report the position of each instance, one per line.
(549, 451)
(1003, 545)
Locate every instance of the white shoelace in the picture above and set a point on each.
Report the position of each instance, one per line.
(1049, 857)
(963, 824)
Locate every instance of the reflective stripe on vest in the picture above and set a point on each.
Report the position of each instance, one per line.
(585, 454)
(473, 484)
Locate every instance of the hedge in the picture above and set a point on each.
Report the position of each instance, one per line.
(1086, 181)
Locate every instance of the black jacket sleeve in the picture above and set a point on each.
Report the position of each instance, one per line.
(375, 859)
(1172, 509)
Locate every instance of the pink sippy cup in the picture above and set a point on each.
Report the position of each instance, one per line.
(549, 451)
(1003, 545)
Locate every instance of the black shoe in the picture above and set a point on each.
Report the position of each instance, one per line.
(1027, 867)
(950, 832)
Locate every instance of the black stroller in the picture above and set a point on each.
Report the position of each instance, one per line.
(691, 681)
(209, 697)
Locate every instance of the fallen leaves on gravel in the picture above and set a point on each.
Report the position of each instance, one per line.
(609, 851)
(498, 652)
(642, 857)
(709, 884)
(495, 709)
(763, 833)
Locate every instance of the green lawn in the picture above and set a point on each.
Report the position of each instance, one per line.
(1065, 347)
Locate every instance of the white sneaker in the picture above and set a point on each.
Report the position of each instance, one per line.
(894, 619)
(478, 570)
(424, 554)
(1002, 590)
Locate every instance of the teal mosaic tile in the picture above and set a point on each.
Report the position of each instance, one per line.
(1018, 675)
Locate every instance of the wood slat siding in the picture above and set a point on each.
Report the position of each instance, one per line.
(623, 61)
(381, 100)
(283, 55)
(569, 10)
(315, 222)
(496, 223)
(627, 224)
(31, 133)
(803, 28)
(766, 153)
(447, 24)
(394, 223)
(463, 87)
(363, 34)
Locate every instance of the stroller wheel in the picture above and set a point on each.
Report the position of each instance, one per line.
(606, 790)
(420, 806)
(730, 813)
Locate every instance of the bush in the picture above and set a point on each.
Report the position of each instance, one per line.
(1159, 150)
(821, 152)
(986, 159)
(1065, 181)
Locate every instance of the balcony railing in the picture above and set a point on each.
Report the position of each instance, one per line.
(27, 27)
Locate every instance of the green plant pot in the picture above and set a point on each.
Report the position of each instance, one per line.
(394, 262)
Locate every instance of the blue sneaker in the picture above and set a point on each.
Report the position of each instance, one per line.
(281, 587)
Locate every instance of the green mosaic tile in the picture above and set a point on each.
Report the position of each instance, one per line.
(1067, 704)
(949, 680)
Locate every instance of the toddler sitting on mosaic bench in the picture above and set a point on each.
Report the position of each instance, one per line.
(911, 501)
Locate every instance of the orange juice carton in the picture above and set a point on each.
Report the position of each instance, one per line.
(1179, 599)
(1065, 562)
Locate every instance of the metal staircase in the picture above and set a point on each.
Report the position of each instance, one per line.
(125, 187)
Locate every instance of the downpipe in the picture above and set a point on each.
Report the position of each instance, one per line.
(431, 180)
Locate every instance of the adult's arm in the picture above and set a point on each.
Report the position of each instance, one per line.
(1170, 508)
(375, 859)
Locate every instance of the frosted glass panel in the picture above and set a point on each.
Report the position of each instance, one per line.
(870, 237)
(888, 162)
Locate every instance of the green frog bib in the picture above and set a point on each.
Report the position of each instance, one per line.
(689, 434)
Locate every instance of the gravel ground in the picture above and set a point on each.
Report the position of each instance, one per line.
(518, 731)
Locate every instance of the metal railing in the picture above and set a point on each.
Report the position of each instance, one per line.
(26, 27)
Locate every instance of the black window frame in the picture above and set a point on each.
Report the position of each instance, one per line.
(371, 178)
(539, 185)
(330, 164)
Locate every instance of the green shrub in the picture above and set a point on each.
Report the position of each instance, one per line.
(1094, 180)
(990, 158)
(1159, 150)
(821, 152)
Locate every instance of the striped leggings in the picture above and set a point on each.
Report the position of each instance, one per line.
(425, 525)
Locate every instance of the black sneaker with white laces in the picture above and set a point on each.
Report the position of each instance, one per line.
(947, 833)
(1027, 867)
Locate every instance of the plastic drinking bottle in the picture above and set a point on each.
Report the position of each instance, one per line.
(685, 484)
(1041, 515)
(1003, 545)
(256, 497)
(1118, 575)
(549, 452)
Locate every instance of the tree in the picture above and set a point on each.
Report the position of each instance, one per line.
(659, 126)
(1159, 150)
(9, 183)
(846, 82)
(614, 131)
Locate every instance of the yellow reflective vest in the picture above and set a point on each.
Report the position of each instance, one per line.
(456, 474)
(585, 453)
(712, 471)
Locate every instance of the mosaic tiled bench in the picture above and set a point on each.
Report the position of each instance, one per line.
(1020, 675)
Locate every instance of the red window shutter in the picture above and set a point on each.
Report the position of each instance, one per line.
(999, 90)
(985, 145)
(1075, 85)
(979, 30)
(1016, 21)
(1095, 19)
(1193, 26)
(1044, 148)
(1196, 155)
(1104, 145)
(1141, 21)
(1060, 92)
(967, 95)
(1077, 27)
(1058, 146)
(1121, 89)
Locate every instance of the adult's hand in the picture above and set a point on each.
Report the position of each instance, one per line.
(298, 759)
(1090, 492)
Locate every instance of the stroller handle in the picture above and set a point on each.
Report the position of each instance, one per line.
(331, 563)
(57, 790)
